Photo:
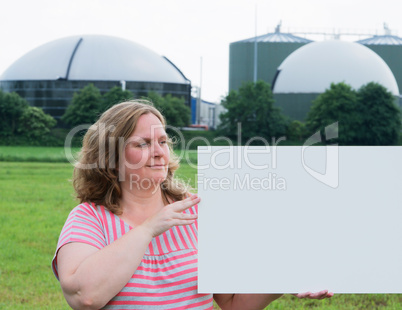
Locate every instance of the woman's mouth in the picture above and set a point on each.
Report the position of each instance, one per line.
(157, 166)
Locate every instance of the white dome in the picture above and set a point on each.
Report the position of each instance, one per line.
(313, 67)
(93, 57)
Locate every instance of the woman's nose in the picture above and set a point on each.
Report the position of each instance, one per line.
(157, 150)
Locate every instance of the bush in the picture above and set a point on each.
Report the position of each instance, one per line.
(380, 117)
(368, 116)
(253, 107)
(296, 131)
(21, 124)
(113, 96)
(176, 113)
(84, 108)
(12, 106)
(35, 124)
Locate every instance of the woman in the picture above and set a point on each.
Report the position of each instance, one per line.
(132, 242)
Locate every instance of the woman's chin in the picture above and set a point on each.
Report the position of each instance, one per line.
(158, 180)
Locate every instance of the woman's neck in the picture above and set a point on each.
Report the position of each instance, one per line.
(138, 205)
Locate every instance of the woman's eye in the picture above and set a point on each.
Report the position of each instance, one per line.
(163, 142)
(142, 145)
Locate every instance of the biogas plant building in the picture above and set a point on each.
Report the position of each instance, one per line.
(48, 76)
(297, 68)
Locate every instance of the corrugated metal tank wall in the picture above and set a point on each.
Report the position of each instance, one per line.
(241, 57)
(295, 106)
(272, 49)
(270, 56)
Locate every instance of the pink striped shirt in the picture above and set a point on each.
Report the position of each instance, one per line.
(167, 276)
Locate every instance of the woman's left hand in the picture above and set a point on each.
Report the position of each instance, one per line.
(318, 295)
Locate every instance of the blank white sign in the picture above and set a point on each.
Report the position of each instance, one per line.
(293, 219)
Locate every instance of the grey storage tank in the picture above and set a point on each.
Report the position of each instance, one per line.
(272, 49)
(389, 48)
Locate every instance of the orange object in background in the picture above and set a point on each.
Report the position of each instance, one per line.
(205, 127)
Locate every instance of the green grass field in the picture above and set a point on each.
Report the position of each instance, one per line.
(34, 154)
(35, 199)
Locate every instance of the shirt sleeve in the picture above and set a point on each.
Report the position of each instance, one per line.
(82, 225)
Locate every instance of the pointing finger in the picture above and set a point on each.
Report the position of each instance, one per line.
(182, 205)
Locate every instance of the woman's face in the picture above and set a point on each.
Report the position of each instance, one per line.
(146, 154)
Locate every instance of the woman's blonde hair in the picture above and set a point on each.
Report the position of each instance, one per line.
(96, 178)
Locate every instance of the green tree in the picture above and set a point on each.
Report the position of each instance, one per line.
(252, 106)
(12, 106)
(337, 104)
(296, 131)
(84, 108)
(381, 118)
(174, 110)
(368, 116)
(113, 96)
(35, 124)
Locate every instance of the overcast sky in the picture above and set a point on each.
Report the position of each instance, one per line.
(185, 30)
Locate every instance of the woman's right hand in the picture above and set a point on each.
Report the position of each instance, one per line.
(171, 215)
